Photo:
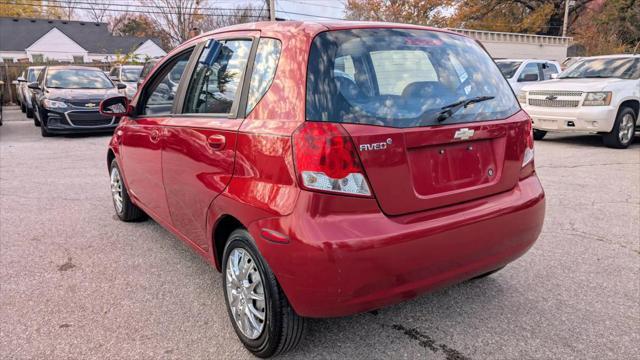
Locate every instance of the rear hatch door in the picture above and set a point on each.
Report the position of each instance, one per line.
(416, 169)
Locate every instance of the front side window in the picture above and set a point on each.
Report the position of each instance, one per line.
(33, 74)
(531, 72)
(402, 78)
(215, 82)
(77, 79)
(160, 95)
(548, 70)
(508, 68)
(264, 69)
(620, 67)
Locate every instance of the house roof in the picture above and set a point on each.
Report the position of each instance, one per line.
(19, 34)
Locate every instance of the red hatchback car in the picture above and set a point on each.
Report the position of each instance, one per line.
(329, 168)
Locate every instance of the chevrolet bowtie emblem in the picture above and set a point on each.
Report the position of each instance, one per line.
(90, 105)
(463, 134)
(551, 97)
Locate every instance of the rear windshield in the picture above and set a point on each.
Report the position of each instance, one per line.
(402, 78)
(508, 68)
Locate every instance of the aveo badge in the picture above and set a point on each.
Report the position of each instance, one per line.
(376, 146)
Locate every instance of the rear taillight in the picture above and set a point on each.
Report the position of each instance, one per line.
(326, 159)
(527, 160)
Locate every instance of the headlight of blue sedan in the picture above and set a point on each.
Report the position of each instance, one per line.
(52, 104)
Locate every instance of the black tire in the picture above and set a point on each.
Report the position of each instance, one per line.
(36, 118)
(29, 113)
(539, 134)
(129, 212)
(282, 327)
(45, 132)
(613, 138)
(482, 276)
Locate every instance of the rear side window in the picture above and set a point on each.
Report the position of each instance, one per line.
(216, 79)
(402, 78)
(264, 69)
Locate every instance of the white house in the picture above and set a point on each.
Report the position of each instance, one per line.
(38, 40)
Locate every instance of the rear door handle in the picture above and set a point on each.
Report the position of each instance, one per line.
(217, 142)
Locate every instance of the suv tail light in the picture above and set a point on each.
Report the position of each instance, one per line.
(527, 160)
(326, 159)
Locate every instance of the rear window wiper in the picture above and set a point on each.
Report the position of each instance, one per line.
(449, 110)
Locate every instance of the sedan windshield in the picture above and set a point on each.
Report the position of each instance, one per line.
(403, 78)
(622, 67)
(508, 68)
(131, 74)
(77, 79)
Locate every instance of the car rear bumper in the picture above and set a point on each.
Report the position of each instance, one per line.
(582, 118)
(348, 258)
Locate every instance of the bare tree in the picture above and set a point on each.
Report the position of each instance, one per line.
(68, 8)
(177, 17)
(98, 10)
(239, 15)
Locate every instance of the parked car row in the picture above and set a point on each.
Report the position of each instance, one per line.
(64, 99)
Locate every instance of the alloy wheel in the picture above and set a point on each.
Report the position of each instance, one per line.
(245, 293)
(116, 189)
(626, 129)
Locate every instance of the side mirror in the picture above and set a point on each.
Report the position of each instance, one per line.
(114, 106)
(554, 76)
(34, 86)
(529, 77)
(121, 86)
(21, 79)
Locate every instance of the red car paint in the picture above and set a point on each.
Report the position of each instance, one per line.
(332, 254)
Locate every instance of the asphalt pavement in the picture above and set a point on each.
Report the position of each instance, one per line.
(76, 283)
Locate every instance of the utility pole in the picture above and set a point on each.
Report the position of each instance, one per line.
(271, 5)
(566, 18)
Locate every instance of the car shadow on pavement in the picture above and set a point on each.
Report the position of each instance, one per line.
(588, 140)
(415, 328)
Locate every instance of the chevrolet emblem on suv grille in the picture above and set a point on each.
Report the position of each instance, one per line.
(551, 97)
(90, 105)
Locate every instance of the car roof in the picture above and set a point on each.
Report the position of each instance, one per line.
(318, 26)
(523, 60)
(73, 67)
(616, 56)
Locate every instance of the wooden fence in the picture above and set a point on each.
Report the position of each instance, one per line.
(11, 71)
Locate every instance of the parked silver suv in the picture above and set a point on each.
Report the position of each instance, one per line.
(23, 92)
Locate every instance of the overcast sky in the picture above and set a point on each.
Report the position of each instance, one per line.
(316, 9)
